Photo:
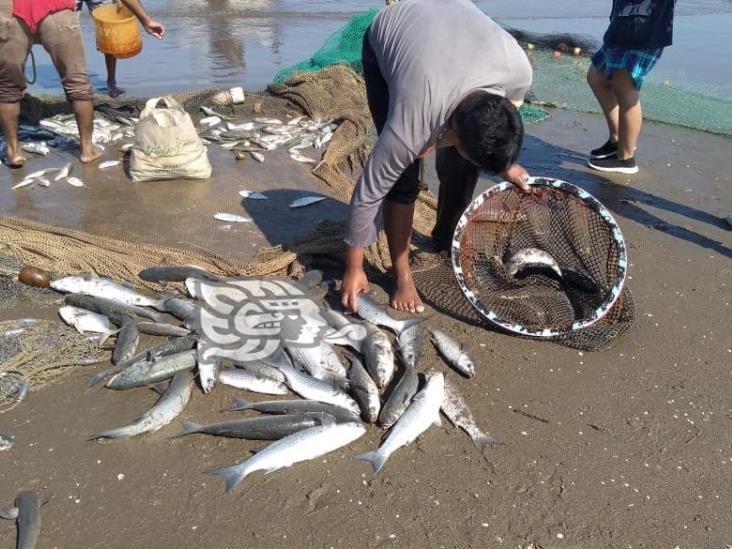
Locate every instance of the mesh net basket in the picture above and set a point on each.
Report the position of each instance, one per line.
(503, 250)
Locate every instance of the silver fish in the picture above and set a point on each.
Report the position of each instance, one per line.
(165, 410)
(305, 445)
(24, 183)
(246, 126)
(210, 121)
(249, 381)
(314, 361)
(113, 309)
(453, 352)
(299, 157)
(341, 415)
(208, 372)
(126, 147)
(212, 113)
(457, 411)
(531, 257)
(6, 442)
(300, 144)
(9, 513)
(85, 321)
(410, 343)
(423, 412)
(148, 373)
(36, 147)
(36, 175)
(379, 355)
(75, 181)
(64, 172)
(314, 389)
(108, 164)
(253, 195)
(29, 519)
(365, 391)
(43, 182)
(400, 398)
(306, 201)
(231, 218)
(174, 273)
(162, 329)
(267, 121)
(259, 157)
(259, 428)
(376, 314)
(107, 289)
(262, 369)
(127, 340)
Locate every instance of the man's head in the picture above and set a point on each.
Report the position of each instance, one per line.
(489, 130)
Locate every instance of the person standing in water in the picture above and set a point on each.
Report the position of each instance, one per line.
(150, 25)
(440, 76)
(55, 25)
(639, 31)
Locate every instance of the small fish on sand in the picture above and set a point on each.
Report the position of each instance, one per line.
(6, 442)
(210, 121)
(254, 195)
(24, 183)
(43, 182)
(375, 313)
(300, 406)
(108, 164)
(36, 175)
(37, 147)
(250, 381)
(299, 157)
(378, 354)
(400, 398)
(531, 257)
(144, 373)
(306, 201)
(410, 343)
(29, 519)
(75, 181)
(85, 321)
(259, 157)
(231, 218)
(64, 172)
(259, 428)
(246, 126)
(364, 389)
(453, 352)
(267, 121)
(212, 113)
(457, 411)
(126, 147)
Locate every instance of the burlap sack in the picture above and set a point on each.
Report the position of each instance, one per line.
(167, 145)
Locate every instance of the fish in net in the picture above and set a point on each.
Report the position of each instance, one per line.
(35, 351)
(580, 301)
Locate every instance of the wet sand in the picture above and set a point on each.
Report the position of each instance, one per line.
(635, 449)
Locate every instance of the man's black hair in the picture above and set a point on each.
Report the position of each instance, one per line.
(490, 130)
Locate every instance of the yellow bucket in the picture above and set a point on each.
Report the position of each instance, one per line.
(118, 32)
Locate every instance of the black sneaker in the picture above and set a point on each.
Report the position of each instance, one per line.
(614, 165)
(609, 149)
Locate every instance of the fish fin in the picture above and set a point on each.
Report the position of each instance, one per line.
(411, 322)
(189, 427)
(483, 442)
(230, 474)
(93, 379)
(376, 460)
(238, 404)
(9, 513)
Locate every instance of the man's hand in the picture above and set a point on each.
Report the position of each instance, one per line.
(517, 175)
(354, 282)
(154, 28)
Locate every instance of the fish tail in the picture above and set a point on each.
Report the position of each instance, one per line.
(189, 427)
(483, 442)
(233, 475)
(93, 379)
(110, 435)
(238, 404)
(411, 322)
(376, 459)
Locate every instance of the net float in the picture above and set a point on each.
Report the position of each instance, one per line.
(33, 276)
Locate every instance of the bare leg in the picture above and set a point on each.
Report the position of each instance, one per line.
(603, 90)
(631, 115)
(84, 112)
(398, 226)
(112, 88)
(9, 113)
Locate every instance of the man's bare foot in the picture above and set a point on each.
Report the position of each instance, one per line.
(405, 297)
(15, 161)
(91, 156)
(114, 91)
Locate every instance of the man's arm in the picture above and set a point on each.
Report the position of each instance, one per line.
(150, 25)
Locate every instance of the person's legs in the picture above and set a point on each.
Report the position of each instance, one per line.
(15, 44)
(399, 204)
(458, 178)
(60, 35)
(112, 89)
(630, 113)
(603, 90)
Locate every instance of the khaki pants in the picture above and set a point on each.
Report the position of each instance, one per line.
(60, 34)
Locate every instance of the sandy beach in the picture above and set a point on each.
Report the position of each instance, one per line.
(630, 447)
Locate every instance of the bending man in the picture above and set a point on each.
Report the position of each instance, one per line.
(440, 75)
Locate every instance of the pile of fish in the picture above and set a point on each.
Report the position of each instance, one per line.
(350, 376)
(262, 135)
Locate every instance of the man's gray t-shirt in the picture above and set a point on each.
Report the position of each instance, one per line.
(432, 53)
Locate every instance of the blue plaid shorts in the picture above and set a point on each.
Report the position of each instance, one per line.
(91, 5)
(638, 63)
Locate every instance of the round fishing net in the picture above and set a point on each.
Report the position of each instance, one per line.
(540, 264)
(36, 351)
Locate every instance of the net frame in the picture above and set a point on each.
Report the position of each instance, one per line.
(613, 293)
